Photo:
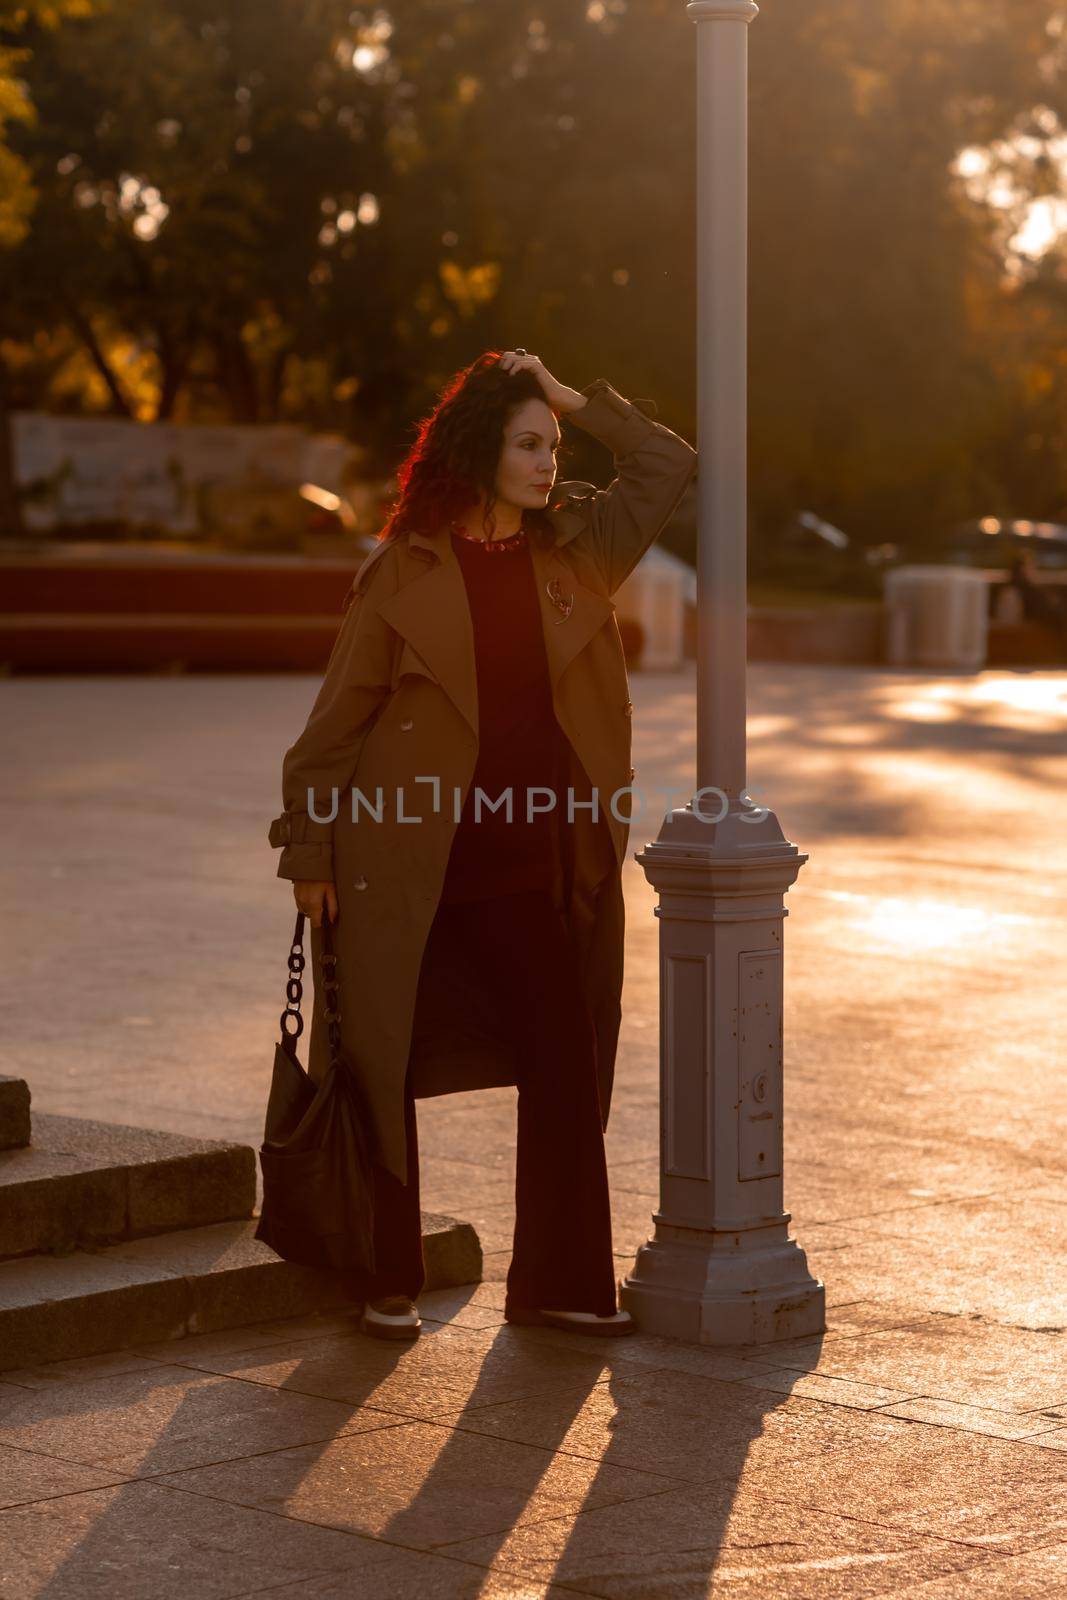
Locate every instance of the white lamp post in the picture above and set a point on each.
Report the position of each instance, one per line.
(720, 1267)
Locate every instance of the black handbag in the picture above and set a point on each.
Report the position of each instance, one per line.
(318, 1186)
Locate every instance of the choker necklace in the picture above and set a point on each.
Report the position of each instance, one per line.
(515, 541)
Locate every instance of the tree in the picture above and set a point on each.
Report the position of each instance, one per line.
(18, 196)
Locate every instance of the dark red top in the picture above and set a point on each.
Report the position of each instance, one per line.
(519, 739)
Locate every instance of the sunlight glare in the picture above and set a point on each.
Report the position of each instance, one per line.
(1036, 701)
(914, 924)
(1045, 696)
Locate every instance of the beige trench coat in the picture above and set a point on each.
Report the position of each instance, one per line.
(398, 707)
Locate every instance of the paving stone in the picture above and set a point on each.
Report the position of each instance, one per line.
(456, 1184)
(731, 1363)
(631, 1219)
(954, 1358)
(905, 1213)
(834, 1391)
(849, 1319)
(1034, 1576)
(1000, 1258)
(252, 1336)
(975, 1419)
(999, 1494)
(26, 1477)
(141, 1539)
(687, 1427)
(636, 1174)
(895, 1173)
(478, 1305)
(493, 1222)
(416, 1572)
(691, 1543)
(633, 1127)
(1056, 1440)
(445, 1370)
(420, 1485)
(446, 1124)
(496, 1261)
(815, 1194)
(165, 1419)
(81, 1369)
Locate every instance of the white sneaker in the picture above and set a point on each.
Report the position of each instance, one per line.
(619, 1322)
(591, 1322)
(391, 1316)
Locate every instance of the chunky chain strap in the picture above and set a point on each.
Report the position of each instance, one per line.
(294, 989)
(292, 1023)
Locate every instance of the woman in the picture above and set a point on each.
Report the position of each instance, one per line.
(479, 657)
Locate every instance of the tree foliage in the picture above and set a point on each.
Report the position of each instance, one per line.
(318, 212)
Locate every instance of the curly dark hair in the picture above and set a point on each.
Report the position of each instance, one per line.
(457, 449)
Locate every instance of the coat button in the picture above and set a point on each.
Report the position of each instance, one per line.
(407, 726)
(628, 707)
(631, 774)
(360, 883)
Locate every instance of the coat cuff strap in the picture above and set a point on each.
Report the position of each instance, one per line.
(296, 827)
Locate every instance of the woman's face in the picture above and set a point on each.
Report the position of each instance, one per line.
(526, 470)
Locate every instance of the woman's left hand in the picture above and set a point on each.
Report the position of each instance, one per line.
(558, 395)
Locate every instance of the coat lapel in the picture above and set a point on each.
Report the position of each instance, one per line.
(432, 614)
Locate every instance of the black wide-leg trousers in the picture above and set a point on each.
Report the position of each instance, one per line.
(562, 1251)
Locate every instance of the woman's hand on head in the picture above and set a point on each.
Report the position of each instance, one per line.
(557, 394)
(310, 897)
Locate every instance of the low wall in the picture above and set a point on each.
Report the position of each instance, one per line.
(849, 634)
(845, 634)
(1025, 644)
(72, 610)
(144, 609)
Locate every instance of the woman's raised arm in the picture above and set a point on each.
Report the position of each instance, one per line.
(654, 466)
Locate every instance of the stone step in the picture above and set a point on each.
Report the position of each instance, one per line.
(14, 1113)
(195, 1280)
(85, 1184)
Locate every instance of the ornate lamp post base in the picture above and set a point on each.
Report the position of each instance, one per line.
(721, 1267)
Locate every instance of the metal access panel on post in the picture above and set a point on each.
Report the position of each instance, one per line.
(759, 1065)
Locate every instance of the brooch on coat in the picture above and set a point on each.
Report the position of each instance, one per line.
(559, 600)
